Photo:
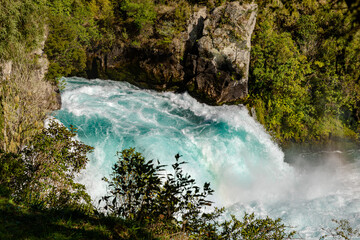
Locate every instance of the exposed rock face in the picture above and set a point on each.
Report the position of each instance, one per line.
(195, 27)
(42, 61)
(5, 68)
(143, 66)
(210, 59)
(29, 74)
(219, 69)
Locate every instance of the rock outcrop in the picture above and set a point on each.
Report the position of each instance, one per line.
(210, 59)
(218, 66)
(29, 73)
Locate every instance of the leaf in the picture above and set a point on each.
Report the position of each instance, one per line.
(319, 64)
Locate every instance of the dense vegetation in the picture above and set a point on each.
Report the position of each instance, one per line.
(304, 85)
(143, 202)
(304, 69)
(21, 27)
(41, 178)
(304, 60)
(42, 173)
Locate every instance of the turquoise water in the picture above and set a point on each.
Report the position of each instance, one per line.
(222, 145)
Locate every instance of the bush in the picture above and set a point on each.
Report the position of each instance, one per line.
(43, 172)
(12, 171)
(72, 31)
(133, 186)
(140, 12)
(255, 228)
(141, 191)
(21, 26)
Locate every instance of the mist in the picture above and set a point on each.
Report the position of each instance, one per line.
(223, 145)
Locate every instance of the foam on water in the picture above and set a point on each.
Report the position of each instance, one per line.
(223, 145)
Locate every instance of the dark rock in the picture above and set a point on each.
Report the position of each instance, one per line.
(210, 59)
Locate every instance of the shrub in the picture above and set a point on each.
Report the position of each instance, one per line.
(255, 228)
(72, 31)
(43, 172)
(11, 172)
(133, 186)
(140, 190)
(21, 26)
(140, 12)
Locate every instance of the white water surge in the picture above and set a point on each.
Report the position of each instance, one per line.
(222, 145)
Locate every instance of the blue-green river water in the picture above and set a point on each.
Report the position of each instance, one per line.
(222, 145)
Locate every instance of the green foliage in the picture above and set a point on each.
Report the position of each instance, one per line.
(64, 49)
(255, 228)
(139, 12)
(21, 26)
(139, 190)
(103, 11)
(171, 22)
(299, 73)
(133, 186)
(12, 171)
(72, 31)
(182, 15)
(279, 70)
(53, 160)
(180, 199)
(43, 172)
(19, 221)
(343, 230)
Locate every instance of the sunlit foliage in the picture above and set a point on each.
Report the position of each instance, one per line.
(303, 81)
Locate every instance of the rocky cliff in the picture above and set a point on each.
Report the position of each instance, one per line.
(26, 98)
(210, 59)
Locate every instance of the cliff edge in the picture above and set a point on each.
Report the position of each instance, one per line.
(209, 59)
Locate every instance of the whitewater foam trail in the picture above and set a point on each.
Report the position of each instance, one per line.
(222, 145)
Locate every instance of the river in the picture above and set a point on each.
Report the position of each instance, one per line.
(222, 145)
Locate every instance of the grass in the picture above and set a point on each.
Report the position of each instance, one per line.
(22, 222)
(26, 98)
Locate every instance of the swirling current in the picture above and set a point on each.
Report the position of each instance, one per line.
(222, 145)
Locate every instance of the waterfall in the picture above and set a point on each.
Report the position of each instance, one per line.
(222, 145)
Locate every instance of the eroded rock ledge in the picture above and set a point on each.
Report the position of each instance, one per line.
(210, 59)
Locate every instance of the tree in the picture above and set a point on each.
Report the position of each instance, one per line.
(133, 186)
(303, 83)
(43, 172)
(140, 12)
(141, 191)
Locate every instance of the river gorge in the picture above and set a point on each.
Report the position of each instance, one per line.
(223, 145)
